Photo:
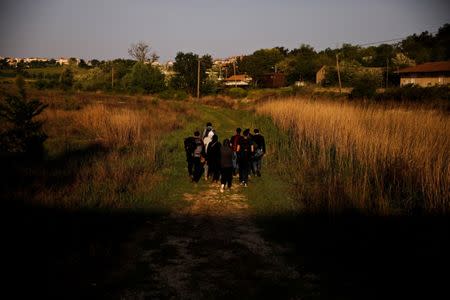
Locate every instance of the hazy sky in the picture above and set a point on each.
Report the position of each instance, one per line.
(105, 29)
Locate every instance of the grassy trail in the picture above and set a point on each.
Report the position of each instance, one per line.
(209, 246)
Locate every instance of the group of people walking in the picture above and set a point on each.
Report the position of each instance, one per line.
(241, 154)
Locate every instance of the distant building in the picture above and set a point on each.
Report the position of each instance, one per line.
(428, 74)
(272, 80)
(62, 61)
(238, 80)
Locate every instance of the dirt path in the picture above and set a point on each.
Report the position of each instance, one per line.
(212, 249)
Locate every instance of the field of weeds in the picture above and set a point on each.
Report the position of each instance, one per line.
(345, 156)
(103, 152)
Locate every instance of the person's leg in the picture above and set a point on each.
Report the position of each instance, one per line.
(241, 171)
(217, 172)
(258, 167)
(197, 170)
(229, 177)
(190, 162)
(245, 170)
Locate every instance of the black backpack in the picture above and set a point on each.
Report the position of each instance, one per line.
(189, 145)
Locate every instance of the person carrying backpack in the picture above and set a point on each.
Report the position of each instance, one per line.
(207, 129)
(260, 149)
(235, 140)
(206, 141)
(198, 157)
(213, 158)
(245, 150)
(226, 165)
(189, 147)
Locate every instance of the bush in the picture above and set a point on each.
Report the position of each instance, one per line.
(365, 86)
(237, 93)
(144, 78)
(66, 79)
(20, 133)
(415, 93)
(171, 94)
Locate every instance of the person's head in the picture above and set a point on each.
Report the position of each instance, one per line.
(238, 130)
(215, 138)
(246, 132)
(256, 130)
(197, 133)
(226, 143)
(209, 124)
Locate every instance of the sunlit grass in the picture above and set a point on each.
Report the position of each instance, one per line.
(370, 159)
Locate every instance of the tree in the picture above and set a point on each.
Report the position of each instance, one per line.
(185, 66)
(83, 64)
(261, 62)
(141, 51)
(20, 132)
(144, 78)
(66, 79)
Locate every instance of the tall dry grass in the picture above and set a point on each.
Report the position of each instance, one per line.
(371, 159)
(110, 154)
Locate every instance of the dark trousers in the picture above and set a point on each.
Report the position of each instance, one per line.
(256, 166)
(227, 176)
(244, 169)
(190, 164)
(198, 169)
(214, 171)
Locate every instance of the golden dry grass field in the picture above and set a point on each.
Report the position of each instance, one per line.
(366, 157)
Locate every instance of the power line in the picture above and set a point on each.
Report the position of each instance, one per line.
(389, 41)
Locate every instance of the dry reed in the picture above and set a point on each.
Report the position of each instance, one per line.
(371, 159)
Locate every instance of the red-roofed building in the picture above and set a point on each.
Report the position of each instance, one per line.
(428, 74)
(238, 80)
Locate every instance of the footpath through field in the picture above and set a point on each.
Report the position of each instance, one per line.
(209, 247)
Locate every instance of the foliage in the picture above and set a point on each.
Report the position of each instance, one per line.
(185, 66)
(237, 93)
(144, 78)
(259, 63)
(415, 93)
(92, 80)
(365, 86)
(171, 94)
(66, 79)
(20, 132)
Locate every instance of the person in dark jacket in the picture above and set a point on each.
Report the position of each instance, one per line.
(189, 147)
(226, 165)
(234, 141)
(245, 151)
(259, 144)
(213, 158)
(198, 156)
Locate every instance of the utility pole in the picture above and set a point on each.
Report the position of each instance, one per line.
(198, 79)
(112, 77)
(338, 72)
(387, 72)
(234, 72)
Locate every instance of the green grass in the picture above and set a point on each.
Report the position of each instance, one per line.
(268, 194)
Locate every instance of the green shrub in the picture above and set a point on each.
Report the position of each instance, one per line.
(20, 133)
(172, 94)
(144, 78)
(365, 86)
(237, 93)
(66, 79)
(415, 93)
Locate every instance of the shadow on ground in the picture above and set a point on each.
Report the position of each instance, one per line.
(81, 255)
(363, 257)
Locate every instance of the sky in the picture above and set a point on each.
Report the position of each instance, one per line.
(105, 29)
